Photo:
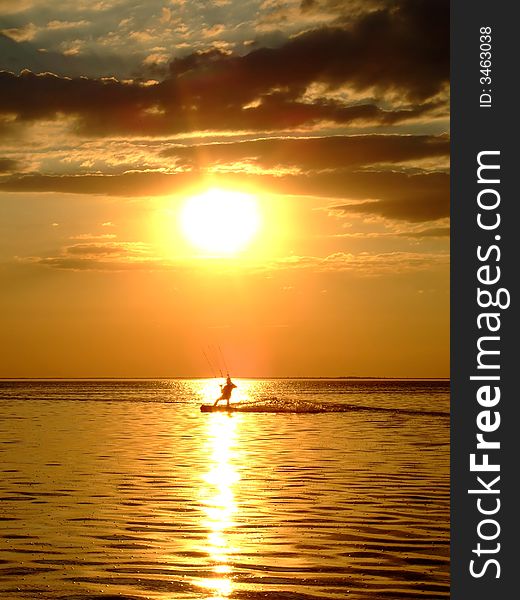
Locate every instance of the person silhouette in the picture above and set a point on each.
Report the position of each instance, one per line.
(226, 389)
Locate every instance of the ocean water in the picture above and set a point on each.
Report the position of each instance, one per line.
(313, 489)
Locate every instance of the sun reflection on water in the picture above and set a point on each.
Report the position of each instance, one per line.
(218, 503)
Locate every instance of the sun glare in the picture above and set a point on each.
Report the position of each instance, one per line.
(220, 222)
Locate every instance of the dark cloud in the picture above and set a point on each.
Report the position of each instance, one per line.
(107, 106)
(433, 232)
(413, 198)
(129, 184)
(307, 5)
(8, 165)
(396, 195)
(31, 96)
(403, 48)
(393, 195)
(315, 153)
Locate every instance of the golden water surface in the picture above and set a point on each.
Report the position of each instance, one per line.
(105, 495)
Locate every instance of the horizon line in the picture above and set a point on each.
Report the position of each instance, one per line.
(110, 377)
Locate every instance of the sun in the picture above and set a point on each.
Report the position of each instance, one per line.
(220, 222)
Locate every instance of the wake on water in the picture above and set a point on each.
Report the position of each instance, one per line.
(295, 406)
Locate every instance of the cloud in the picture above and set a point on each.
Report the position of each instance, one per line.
(8, 165)
(342, 8)
(21, 34)
(93, 264)
(17, 56)
(134, 256)
(8, 6)
(57, 24)
(93, 236)
(123, 249)
(397, 50)
(368, 263)
(92, 249)
(415, 199)
(436, 233)
(432, 232)
(108, 106)
(129, 184)
(56, 95)
(316, 152)
(394, 195)
(213, 31)
(400, 47)
(102, 256)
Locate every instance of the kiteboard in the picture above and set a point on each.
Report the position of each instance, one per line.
(213, 408)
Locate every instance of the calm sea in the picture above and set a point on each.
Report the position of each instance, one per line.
(313, 489)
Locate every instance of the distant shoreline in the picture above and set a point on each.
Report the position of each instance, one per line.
(310, 377)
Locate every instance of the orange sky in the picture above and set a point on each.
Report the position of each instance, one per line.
(329, 119)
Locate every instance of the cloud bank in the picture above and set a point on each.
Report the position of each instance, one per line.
(397, 51)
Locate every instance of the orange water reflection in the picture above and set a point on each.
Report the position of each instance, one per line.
(218, 503)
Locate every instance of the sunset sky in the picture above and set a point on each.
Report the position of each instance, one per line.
(267, 176)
